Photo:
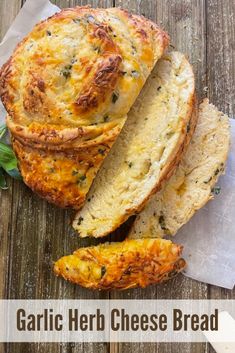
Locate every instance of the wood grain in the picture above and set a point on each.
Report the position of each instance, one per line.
(33, 233)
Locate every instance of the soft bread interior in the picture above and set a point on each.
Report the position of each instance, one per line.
(192, 185)
(146, 151)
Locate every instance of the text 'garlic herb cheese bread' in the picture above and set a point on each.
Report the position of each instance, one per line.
(192, 185)
(147, 150)
(67, 89)
(129, 264)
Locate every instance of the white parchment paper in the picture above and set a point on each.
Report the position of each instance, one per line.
(209, 238)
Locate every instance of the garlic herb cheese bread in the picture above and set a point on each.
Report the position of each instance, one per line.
(67, 89)
(128, 264)
(192, 185)
(147, 150)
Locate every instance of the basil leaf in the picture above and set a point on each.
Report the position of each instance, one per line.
(14, 173)
(8, 160)
(3, 130)
(3, 183)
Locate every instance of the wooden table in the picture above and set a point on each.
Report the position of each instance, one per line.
(34, 233)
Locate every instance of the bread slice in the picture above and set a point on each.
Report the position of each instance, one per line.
(128, 264)
(192, 185)
(146, 151)
(68, 88)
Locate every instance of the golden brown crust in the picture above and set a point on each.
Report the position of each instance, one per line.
(69, 85)
(132, 263)
(62, 177)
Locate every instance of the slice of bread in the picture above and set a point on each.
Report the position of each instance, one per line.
(129, 264)
(192, 185)
(147, 150)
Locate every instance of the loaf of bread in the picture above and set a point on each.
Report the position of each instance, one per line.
(147, 150)
(193, 183)
(67, 89)
(129, 264)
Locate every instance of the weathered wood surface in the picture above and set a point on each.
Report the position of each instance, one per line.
(34, 233)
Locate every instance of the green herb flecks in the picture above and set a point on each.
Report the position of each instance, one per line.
(115, 97)
(74, 172)
(81, 179)
(216, 190)
(106, 118)
(76, 20)
(101, 151)
(162, 222)
(80, 219)
(66, 72)
(103, 271)
(207, 181)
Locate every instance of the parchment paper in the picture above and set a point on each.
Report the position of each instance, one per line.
(208, 239)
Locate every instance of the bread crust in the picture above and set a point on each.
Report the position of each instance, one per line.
(130, 264)
(60, 99)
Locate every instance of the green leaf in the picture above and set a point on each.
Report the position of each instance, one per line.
(3, 183)
(14, 173)
(3, 130)
(8, 160)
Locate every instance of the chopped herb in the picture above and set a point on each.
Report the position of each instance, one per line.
(98, 49)
(216, 190)
(82, 177)
(101, 151)
(3, 130)
(74, 172)
(115, 97)
(49, 33)
(134, 48)
(80, 219)
(106, 118)
(127, 271)
(76, 20)
(169, 134)
(188, 127)
(52, 170)
(217, 172)
(103, 271)
(162, 222)
(207, 181)
(123, 73)
(135, 73)
(66, 72)
(130, 164)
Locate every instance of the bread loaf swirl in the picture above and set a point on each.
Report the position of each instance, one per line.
(67, 89)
